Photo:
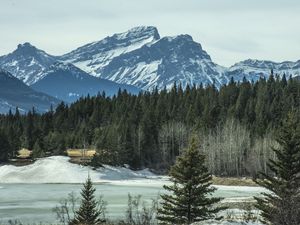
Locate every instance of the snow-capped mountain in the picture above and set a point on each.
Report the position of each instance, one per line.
(14, 93)
(93, 57)
(163, 62)
(142, 58)
(254, 69)
(27, 63)
(67, 82)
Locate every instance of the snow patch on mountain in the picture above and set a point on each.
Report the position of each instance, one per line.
(94, 56)
(138, 75)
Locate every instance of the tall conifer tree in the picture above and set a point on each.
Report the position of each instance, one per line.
(189, 200)
(281, 206)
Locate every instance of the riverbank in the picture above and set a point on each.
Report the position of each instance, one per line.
(59, 169)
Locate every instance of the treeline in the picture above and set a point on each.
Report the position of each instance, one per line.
(236, 125)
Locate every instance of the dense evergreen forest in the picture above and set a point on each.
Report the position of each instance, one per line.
(235, 125)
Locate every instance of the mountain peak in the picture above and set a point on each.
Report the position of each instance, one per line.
(136, 34)
(100, 53)
(143, 31)
(25, 45)
(181, 37)
(182, 46)
(26, 48)
(27, 62)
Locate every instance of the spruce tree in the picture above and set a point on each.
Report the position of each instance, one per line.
(4, 147)
(190, 198)
(38, 150)
(88, 213)
(281, 206)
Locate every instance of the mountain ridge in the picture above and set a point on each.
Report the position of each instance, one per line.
(69, 83)
(26, 62)
(141, 57)
(14, 93)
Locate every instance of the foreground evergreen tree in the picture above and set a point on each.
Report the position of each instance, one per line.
(282, 205)
(89, 212)
(189, 200)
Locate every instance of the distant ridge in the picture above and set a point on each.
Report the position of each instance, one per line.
(69, 83)
(14, 93)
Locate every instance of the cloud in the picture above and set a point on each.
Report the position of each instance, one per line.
(230, 30)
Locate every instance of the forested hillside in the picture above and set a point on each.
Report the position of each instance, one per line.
(235, 124)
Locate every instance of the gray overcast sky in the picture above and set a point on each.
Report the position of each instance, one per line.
(229, 30)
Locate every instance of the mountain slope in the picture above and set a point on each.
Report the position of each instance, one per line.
(140, 57)
(27, 63)
(160, 64)
(94, 56)
(14, 93)
(67, 82)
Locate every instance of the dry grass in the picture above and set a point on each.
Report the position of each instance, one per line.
(81, 152)
(24, 153)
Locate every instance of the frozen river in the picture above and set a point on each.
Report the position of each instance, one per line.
(30, 193)
(34, 202)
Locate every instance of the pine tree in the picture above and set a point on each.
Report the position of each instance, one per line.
(88, 213)
(189, 200)
(282, 205)
(38, 150)
(29, 139)
(4, 147)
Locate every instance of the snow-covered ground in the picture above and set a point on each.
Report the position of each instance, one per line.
(227, 223)
(58, 169)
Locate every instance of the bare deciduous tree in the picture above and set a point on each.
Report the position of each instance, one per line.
(139, 212)
(231, 151)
